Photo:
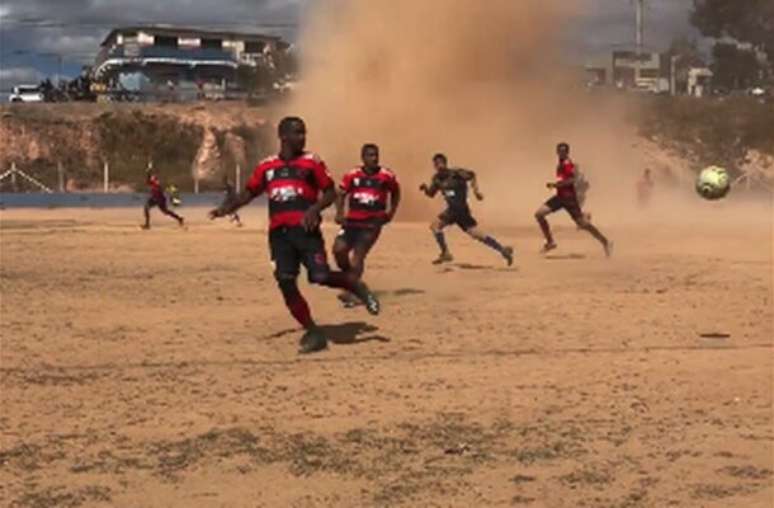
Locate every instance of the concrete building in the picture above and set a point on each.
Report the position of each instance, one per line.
(629, 69)
(165, 59)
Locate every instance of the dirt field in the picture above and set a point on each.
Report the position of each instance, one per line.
(159, 369)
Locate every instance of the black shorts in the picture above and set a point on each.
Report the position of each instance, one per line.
(570, 205)
(459, 216)
(160, 201)
(293, 246)
(359, 236)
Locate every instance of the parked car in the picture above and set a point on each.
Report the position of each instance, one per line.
(26, 93)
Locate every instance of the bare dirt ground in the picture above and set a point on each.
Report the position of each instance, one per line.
(159, 369)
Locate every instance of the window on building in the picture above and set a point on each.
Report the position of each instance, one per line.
(212, 43)
(650, 73)
(254, 46)
(165, 41)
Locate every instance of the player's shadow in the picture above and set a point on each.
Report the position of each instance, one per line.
(474, 267)
(351, 333)
(342, 334)
(559, 257)
(400, 292)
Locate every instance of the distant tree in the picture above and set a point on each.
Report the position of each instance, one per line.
(688, 53)
(744, 20)
(734, 68)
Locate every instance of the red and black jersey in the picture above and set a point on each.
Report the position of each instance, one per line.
(292, 186)
(155, 186)
(367, 194)
(565, 171)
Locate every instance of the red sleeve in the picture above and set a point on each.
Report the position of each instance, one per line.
(568, 170)
(321, 175)
(255, 183)
(346, 182)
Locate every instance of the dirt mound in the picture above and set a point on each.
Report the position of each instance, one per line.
(181, 140)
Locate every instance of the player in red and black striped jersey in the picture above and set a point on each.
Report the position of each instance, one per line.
(157, 198)
(368, 199)
(567, 198)
(298, 187)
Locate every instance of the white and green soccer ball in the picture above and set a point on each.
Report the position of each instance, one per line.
(713, 183)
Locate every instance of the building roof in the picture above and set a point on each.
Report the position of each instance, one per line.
(189, 32)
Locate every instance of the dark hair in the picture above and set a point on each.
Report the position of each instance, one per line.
(564, 145)
(285, 123)
(441, 157)
(369, 146)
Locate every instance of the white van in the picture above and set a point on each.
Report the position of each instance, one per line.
(26, 93)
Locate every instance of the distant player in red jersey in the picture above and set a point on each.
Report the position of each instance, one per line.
(566, 198)
(368, 199)
(293, 182)
(453, 184)
(157, 198)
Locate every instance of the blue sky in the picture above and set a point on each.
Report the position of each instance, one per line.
(32, 30)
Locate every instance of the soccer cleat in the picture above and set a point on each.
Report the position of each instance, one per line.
(444, 257)
(368, 298)
(508, 255)
(312, 341)
(548, 247)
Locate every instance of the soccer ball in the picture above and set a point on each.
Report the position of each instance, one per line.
(713, 183)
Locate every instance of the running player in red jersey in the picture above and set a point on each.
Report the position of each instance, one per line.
(453, 183)
(566, 198)
(293, 182)
(371, 195)
(157, 198)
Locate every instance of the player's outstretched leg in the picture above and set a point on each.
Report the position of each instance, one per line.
(540, 216)
(350, 251)
(347, 282)
(491, 242)
(445, 256)
(585, 225)
(341, 253)
(170, 213)
(146, 210)
(313, 340)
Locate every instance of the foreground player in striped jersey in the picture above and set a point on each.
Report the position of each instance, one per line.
(298, 187)
(368, 199)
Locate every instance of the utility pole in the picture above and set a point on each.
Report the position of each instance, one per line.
(640, 21)
(639, 37)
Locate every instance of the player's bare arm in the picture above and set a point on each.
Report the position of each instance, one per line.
(561, 184)
(431, 190)
(244, 198)
(341, 198)
(394, 203)
(474, 185)
(311, 220)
